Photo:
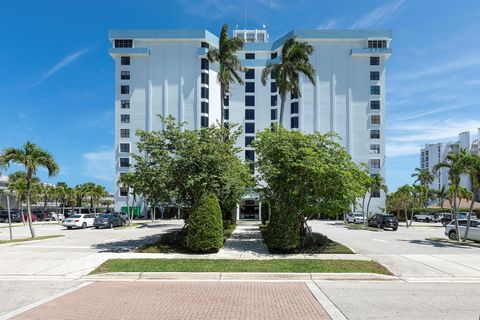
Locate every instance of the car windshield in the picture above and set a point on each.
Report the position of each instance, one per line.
(104, 216)
(358, 214)
(76, 216)
(388, 216)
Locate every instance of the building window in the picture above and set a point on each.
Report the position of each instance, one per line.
(125, 147)
(123, 192)
(377, 44)
(249, 86)
(273, 87)
(249, 141)
(375, 148)
(205, 45)
(273, 101)
(125, 75)
(124, 133)
(375, 104)
(294, 107)
(374, 61)
(125, 104)
(375, 90)
(249, 56)
(375, 193)
(273, 75)
(273, 55)
(204, 92)
(374, 134)
(204, 78)
(249, 127)
(273, 114)
(125, 118)
(204, 63)
(125, 61)
(250, 74)
(123, 43)
(124, 162)
(375, 163)
(374, 75)
(124, 89)
(204, 107)
(249, 155)
(204, 121)
(226, 114)
(250, 101)
(294, 95)
(294, 123)
(249, 114)
(375, 119)
(226, 101)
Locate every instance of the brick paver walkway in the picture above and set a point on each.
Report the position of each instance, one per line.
(183, 300)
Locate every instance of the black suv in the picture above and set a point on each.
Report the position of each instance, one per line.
(14, 214)
(42, 215)
(383, 221)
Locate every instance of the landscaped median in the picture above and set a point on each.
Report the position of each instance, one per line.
(234, 265)
(31, 239)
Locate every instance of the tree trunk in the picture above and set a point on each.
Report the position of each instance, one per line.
(282, 110)
(29, 212)
(411, 215)
(468, 219)
(363, 211)
(222, 104)
(128, 207)
(455, 212)
(406, 215)
(153, 213)
(368, 208)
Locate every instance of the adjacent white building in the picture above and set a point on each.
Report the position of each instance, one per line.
(166, 72)
(432, 154)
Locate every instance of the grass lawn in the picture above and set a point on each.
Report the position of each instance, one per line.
(224, 265)
(360, 226)
(176, 242)
(317, 243)
(31, 239)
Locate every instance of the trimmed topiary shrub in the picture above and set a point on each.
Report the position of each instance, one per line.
(205, 226)
(283, 231)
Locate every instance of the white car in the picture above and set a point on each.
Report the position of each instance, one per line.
(79, 221)
(473, 231)
(356, 217)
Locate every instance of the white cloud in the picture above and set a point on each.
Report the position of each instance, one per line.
(432, 112)
(378, 16)
(60, 65)
(99, 165)
(328, 24)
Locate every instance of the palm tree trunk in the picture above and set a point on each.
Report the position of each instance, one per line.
(455, 212)
(363, 211)
(128, 208)
(222, 104)
(368, 208)
(282, 109)
(468, 219)
(406, 215)
(29, 211)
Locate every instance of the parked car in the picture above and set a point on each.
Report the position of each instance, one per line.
(108, 221)
(14, 215)
(448, 217)
(123, 215)
(383, 221)
(79, 221)
(355, 217)
(42, 215)
(426, 217)
(473, 231)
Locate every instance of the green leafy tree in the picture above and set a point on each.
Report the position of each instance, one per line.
(474, 172)
(205, 227)
(377, 184)
(32, 158)
(423, 176)
(442, 195)
(126, 182)
(306, 174)
(229, 64)
(295, 60)
(405, 197)
(457, 164)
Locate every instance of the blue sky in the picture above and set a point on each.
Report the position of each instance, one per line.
(57, 84)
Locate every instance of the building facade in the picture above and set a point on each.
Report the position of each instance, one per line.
(166, 72)
(432, 154)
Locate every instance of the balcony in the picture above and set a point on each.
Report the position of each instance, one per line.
(117, 52)
(366, 52)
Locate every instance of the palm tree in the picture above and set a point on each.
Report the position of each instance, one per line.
(442, 195)
(294, 60)
(228, 62)
(126, 181)
(31, 157)
(457, 163)
(419, 194)
(423, 176)
(474, 172)
(405, 195)
(377, 183)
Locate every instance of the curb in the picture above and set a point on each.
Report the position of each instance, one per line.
(325, 302)
(240, 276)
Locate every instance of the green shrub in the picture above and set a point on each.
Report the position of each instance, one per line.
(283, 231)
(205, 227)
(226, 223)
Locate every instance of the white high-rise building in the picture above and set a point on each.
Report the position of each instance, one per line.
(166, 72)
